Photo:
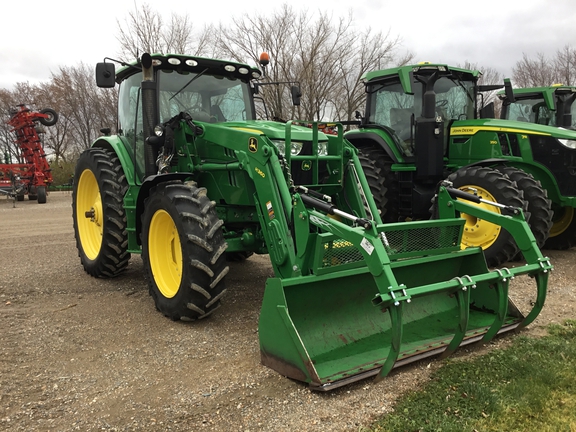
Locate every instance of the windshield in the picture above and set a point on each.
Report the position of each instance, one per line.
(206, 98)
(390, 106)
(533, 110)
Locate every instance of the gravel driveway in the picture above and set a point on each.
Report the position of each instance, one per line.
(78, 353)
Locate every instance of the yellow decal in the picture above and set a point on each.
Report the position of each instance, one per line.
(253, 144)
(493, 142)
(254, 131)
(306, 165)
(259, 171)
(473, 130)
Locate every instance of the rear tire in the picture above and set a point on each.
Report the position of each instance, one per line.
(498, 244)
(383, 184)
(183, 250)
(98, 213)
(563, 231)
(539, 206)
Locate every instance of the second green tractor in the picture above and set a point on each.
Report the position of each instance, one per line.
(426, 123)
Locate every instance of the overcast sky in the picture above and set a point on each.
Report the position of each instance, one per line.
(39, 36)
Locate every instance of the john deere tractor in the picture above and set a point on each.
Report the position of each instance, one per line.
(551, 105)
(191, 176)
(426, 123)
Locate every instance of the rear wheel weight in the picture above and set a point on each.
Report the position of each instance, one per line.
(183, 251)
(563, 231)
(98, 213)
(498, 245)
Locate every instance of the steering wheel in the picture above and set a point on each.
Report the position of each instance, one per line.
(442, 103)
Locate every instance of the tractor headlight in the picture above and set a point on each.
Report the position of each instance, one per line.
(295, 147)
(158, 130)
(323, 148)
(571, 144)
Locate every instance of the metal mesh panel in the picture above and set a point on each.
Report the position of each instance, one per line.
(421, 239)
(399, 242)
(338, 252)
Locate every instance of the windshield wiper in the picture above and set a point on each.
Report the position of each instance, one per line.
(198, 75)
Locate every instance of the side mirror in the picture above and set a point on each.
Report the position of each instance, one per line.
(296, 95)
(105, 75)
(508, 90)
(487, 112)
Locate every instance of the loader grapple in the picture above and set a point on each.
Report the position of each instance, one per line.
(380, 300)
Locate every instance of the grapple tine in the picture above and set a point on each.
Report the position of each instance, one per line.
(502, 288)
(541, 278)
(463, 297)
(395, 312)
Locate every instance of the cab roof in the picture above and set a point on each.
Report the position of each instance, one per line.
(192, 64)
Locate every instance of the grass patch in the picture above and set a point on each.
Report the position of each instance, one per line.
(529, 386)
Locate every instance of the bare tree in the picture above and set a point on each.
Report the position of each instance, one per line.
(84, 108)
(144, 30)
(323, 54)
(565, 66)
(537, 72)
(373, 51)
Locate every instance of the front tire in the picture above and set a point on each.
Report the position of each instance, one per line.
(98, 213)
(497, 243)
(183, 250)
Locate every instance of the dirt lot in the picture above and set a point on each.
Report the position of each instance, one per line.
(78, 353)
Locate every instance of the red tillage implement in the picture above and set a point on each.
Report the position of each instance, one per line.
(32, 176)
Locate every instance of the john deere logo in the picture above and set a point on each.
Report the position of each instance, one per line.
(253, 144)
(306, 165)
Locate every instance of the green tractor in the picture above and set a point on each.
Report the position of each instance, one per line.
(192, 178)
(425, 123)
(551, 105)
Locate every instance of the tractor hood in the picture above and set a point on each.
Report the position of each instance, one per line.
(472, 126)
(276, 130)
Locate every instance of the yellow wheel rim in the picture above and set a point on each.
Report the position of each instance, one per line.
(89, 217)
(563, 221)
(165, 253)
(478, 232)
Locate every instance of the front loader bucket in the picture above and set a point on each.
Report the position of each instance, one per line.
(347, 322)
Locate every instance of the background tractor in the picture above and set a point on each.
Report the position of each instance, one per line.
(552, 105)
(191, 177)
(423, 124)
(32, 176)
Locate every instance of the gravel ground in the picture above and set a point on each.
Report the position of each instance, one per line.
(78, 353)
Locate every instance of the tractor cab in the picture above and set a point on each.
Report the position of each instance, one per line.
(408, 99)
(552, 106)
